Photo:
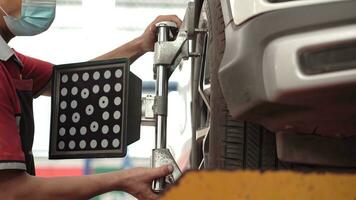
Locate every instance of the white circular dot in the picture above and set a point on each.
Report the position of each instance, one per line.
(93, 144)
(117, 101)
(104, 143)
(89, 110)
(75, 77)
(96, 89)
(62, 118)
(72, 131)
(118, 73)
(82, 144)
(105, 129)
(106, 88)
(74, 104)
(71, 144)
(85, 93)
(64, 78)
(62, 131)
(74, 91)
(103, 102)
(116, 143)
(117, 115)
(85, 76)
(106, 115)
(64, 91)
(61, 145)
(63, 105)
(107, 74)
(96, 75)
(118, 87)
(83, 130)
(116, 129)
(94, 126)
(76, 117)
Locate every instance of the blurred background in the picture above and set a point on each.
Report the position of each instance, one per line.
(83, 30)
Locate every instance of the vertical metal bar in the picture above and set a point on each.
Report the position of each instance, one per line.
(163, 31)
(162, 93)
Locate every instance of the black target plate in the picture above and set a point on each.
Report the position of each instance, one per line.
(89, 109)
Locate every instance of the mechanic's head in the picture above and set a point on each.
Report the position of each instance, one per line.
(26, 17)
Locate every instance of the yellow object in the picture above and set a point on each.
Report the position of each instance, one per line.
(249, 185)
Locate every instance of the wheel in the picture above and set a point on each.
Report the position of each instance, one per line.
(231, 144)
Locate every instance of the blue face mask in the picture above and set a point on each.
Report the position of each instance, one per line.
(36, 17)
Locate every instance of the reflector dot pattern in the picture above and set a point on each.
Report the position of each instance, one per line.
(90, 110)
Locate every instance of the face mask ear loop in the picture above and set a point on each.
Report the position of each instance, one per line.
(3, 11)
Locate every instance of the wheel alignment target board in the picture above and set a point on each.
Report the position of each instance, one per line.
(89, 109)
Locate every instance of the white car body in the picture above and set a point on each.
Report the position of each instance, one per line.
(243, 10)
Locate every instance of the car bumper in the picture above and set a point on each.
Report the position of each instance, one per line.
(263, 80)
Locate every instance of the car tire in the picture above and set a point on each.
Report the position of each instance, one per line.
(232, 144)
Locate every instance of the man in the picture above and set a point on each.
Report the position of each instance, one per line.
(21, 78)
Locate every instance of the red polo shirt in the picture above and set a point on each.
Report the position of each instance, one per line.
(11, 154)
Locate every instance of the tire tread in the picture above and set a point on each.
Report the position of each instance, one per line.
(233, 144)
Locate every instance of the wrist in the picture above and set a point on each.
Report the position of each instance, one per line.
(120, 181)
(140, 44)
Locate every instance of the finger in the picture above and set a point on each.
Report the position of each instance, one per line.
(161, 171)
(153, 195)
(147, 193)
(175, 19)
(172, 18)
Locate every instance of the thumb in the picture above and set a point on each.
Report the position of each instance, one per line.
(161, 171)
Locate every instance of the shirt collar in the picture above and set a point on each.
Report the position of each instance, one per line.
(5, 51)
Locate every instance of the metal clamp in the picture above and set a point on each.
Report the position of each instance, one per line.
(162, 157)
(171, 53)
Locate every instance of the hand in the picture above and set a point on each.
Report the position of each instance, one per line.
(148, 38)
(138, 181)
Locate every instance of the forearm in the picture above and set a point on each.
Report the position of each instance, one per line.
(71, 188)
(76, 188)
(137, 47)
(131, 50)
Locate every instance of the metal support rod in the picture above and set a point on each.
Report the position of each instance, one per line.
(162, 94)
(161, 119)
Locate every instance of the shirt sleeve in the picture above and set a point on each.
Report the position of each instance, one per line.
(11, 154)
(37, 70)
